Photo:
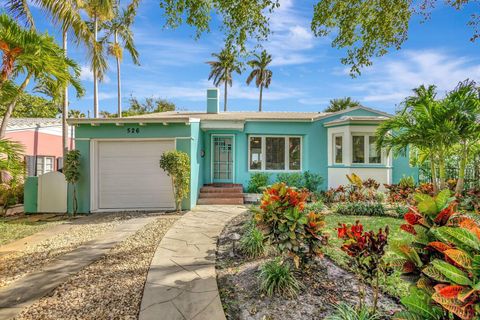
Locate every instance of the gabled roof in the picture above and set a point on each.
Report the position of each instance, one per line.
(30, 123)
(356, 119)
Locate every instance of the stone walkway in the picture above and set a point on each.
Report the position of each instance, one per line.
(25, 291)
(181, 282)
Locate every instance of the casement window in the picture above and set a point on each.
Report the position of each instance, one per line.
(44, 165)
(337, 148)
(275, 153)
(364, 149)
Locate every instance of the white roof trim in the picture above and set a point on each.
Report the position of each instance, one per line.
(222, 125)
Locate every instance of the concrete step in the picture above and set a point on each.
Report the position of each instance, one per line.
(220, 195)
(223, 185)
(220, 201)
(221, 190)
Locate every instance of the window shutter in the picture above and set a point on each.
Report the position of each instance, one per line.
(30, 162)
(60, 164)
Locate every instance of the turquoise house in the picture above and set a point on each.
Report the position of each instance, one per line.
(119, 156)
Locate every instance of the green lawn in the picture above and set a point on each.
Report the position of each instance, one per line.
(10, 231)
(393, 285)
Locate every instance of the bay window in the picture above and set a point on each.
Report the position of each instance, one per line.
(338, 149)
(275, 153)
(364, 149)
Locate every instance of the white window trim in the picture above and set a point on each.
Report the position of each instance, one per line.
(264, 156)
(334, 136)
(366, 146)
(44, 164)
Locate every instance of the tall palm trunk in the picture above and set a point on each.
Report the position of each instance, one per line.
(11, 106)
(442, 175)
(225, 97)
(119, 87)
(434, 175)
(95, 76)
(461, 170)
(65, 106)
(260, 100)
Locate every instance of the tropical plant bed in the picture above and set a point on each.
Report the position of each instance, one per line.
(324, 285)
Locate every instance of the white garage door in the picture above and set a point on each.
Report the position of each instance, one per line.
(129, 176)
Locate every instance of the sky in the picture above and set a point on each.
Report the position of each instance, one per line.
(307, 72)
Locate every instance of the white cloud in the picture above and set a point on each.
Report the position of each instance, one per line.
(391, 80)
(86, 74)
(291, 36)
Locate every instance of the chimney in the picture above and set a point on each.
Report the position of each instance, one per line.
(213, 101)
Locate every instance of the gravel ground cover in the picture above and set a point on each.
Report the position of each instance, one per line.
(324, 285)
(16, 265)
(111, 287)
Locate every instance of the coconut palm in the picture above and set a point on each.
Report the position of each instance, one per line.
(98, 11)
(120, 27)
(262, 75)
(342, 104)
(422, 124)
(222, 68)
(38, 58)
(463, 103)
(66, 14)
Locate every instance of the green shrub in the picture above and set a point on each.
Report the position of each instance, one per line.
(294, 179)
(316, 206)
(360, 209)
(276, 278)
(312, 181)
(177, 165)
(344, 311)
(258, 180)
(71, 170)
(252, 242)
(407, 182)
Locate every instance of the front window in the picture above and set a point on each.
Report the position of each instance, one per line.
(364, 149)
(358, 149)
(44, 165)
(338, 149)
(275, 153)
(256, 153)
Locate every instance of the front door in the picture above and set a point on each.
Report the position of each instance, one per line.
(222, 159)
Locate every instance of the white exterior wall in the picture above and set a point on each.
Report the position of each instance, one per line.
(337, 172)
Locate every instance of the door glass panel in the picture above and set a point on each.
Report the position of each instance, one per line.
(222, 158)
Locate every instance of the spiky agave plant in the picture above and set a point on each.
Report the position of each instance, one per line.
(442, 263)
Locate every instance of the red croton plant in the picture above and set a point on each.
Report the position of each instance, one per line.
(442, 262)
(367, 250)
(288, 226)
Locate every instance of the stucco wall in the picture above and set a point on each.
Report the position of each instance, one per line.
(85, 133)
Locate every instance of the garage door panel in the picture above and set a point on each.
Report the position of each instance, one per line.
(129, 175)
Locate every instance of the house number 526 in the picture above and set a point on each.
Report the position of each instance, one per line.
(133, 130)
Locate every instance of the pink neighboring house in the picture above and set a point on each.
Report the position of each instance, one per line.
(42, 140)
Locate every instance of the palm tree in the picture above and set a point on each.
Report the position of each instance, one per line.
(98, 11)
(342, 104)
(120, 27)
(262, 75)
(463, 103)
(38, 57)
(222, 68)
(11, 162)
(422, 124)
(73, 113)
(65, 13)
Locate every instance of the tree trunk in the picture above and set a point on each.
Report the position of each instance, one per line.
(441, 171)
(461, 170)
(11, 106)
(225, 97)
(119, 86)
(95, 76)
(434, 174)
(260, 100)
(65, 106)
